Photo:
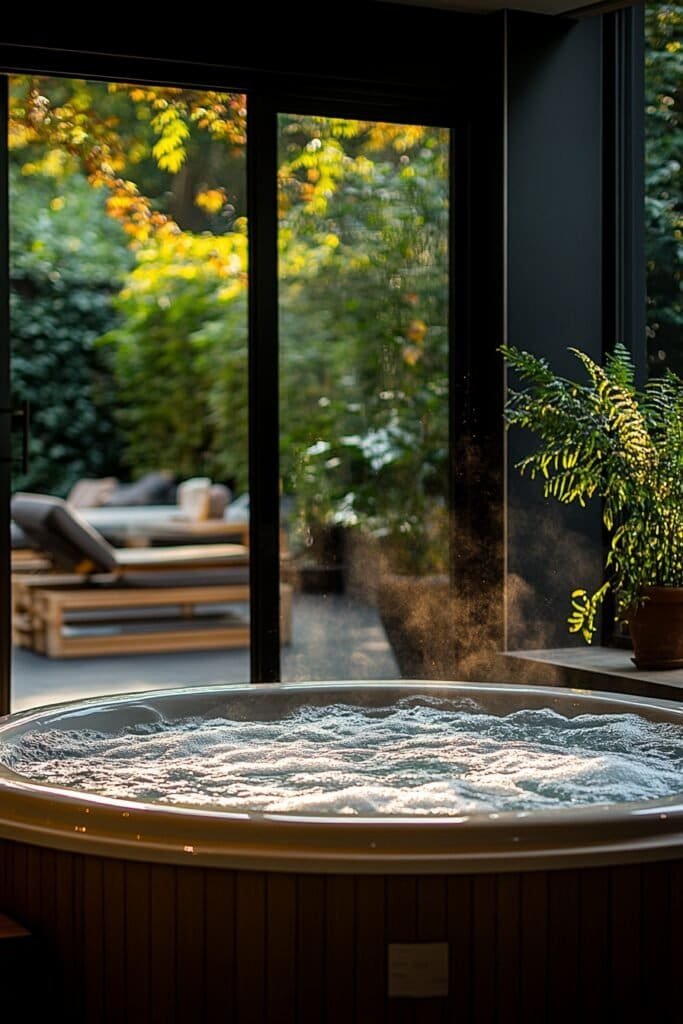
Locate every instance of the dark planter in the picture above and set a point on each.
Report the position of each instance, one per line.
(322, 568)
(657, 629)
(321, 579)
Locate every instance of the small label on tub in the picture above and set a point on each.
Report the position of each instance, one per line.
(418, 970)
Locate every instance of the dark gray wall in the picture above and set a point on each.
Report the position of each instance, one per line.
(555, 265)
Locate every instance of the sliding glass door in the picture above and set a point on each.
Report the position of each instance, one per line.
(225, 344)
(363, 216)
(129, 342)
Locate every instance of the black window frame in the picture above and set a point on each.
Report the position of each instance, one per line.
(264, 101)
(454, 75)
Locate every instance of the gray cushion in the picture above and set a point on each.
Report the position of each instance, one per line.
(203, 577)
(151, 489)
(20, 539)
(62, 533)
(182, 555)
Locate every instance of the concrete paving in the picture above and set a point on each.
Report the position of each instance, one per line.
(334, 637)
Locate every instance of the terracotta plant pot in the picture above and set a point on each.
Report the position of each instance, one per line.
(657, 629)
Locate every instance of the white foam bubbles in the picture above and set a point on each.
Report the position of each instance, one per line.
(417, 757)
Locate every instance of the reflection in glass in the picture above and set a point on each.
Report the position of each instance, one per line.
(364, 387)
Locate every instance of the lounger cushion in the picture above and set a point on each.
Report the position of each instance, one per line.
(20, 539)
(219, 499)
(192, 555)
(151, 489)
(202, 577)
(63, 533)
(91, 493)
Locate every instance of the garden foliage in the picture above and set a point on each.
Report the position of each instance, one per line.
(363, 291)
(68, 260)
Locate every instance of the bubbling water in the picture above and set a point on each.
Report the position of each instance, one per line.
(419, 756)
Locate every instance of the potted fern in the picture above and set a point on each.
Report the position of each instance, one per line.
(603, 438)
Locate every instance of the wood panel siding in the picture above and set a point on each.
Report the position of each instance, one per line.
(128, 941)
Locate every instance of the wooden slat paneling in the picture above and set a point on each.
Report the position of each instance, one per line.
(114, 896)
(137, 943)
(431, 909)
(92, 925)
(562, 968)
(311, 913)
(484, 940)
(594, 944)
(65, 931)
(281, 938)
(18, 886)
(625, 901)
(49, 952)
(219, 966)
(656, 903)
(533, 922)
(672, 962)
(4, 895)
(250, 900)
(189, 950)
(152, 943)
(371, 949)
(162, 965)
(459, 922)
(401, 927)
(33, 862)
(339, 955)
(508, 949)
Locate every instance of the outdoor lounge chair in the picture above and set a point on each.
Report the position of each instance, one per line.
(111, 601)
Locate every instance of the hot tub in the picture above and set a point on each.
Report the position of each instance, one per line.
(155, 912)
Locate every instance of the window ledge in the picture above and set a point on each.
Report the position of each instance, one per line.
(606, 668)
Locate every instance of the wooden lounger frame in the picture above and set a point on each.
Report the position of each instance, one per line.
(42, 604)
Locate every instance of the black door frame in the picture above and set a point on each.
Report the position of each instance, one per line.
(452, 71)
(264, 463)
(5, 418)
(263, 104)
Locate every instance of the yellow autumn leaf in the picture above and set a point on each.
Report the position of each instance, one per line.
(211, 200)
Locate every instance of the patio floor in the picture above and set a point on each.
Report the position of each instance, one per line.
(334, 637)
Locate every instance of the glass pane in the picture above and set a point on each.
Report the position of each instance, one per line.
(129, 338)
(363, 240)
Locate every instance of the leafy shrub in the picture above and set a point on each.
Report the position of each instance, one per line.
(364, 339)
(67, 258)
(179, 355)
(363, 355)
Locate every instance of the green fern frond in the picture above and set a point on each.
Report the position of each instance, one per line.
(619, 367)
(603, 438)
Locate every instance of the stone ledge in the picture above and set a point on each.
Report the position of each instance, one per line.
(604, 668)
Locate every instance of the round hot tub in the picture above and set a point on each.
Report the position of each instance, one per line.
(193, 909)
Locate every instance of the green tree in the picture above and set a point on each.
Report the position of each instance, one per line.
(150, 148)
(179, 355)
(167, 166)
(67, 261)
(364, 254)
